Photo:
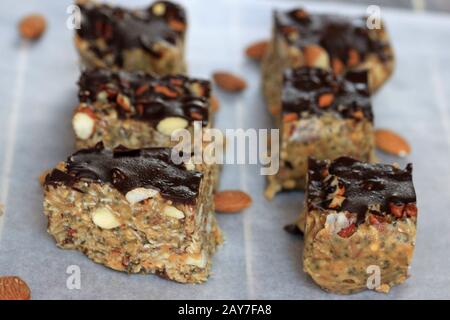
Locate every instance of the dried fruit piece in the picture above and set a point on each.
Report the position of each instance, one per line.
(411, 210)
(347, 232)
(123, 101)
(165, 91)
(43, 175)
(325, 100)
(256, 50)
(14, 288)
(396, 209)
(229, 82)
(105, 219)
(32, 26)
(390, 142)
(230, 201)
(83, 123)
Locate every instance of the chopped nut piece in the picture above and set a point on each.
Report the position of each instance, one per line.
(168, 125)
(173, 212)
(288, 117)
(139, 194)
(336, 202)
(83, 123)
(105, 219)
(325, 100)
(353, 58)
(159, 9)
(316, 56)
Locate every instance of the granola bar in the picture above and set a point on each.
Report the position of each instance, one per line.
(137, 110)
(359, 216)
(325, 116)
(150, 39)
(135, 210)
(333, 42)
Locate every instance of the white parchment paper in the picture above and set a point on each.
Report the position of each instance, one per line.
(259, 259)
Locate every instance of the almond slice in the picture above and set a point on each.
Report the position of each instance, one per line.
(14, 288)
(230, 201)
(257, 50)
(229, 82)
(390, 142)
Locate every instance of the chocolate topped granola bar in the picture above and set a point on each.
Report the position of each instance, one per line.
(150, 39)
(127, 169)
(323, 115)
(135, 211)
(331, 42)
(360, 217)
(314, 91)
(137, 110)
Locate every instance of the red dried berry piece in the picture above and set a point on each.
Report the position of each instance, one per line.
(396, 209)
(347, 232)
(411, 209)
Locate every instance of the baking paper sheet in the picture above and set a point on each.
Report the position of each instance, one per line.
(259, 259)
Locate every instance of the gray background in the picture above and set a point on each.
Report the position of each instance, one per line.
(258, 259)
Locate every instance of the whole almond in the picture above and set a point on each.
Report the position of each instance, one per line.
(390, 142)
(256, 50)
(229, 82)
(214, 104)
(32, 26)
(230, 201)
(14, 288)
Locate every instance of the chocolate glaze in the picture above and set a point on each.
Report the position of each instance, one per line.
(336, 34)
(124, 29)
(303, 86)
(128, 169)
(365, 184)
(147, 105)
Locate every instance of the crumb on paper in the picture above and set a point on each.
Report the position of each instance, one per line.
(2, 209)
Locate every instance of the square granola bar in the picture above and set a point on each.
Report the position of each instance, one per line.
(333, 42)
(360, 225)
(150, 39)
(325, 116)
(137, 110)
(135, 210)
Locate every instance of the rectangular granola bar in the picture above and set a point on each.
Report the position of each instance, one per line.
(332, 42)
(325, 116)
(135, 211)
(137, 110)
(360, 225)
(150, 39)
